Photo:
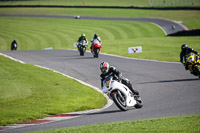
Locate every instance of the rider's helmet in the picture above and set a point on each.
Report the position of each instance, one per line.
(184, 47)
(104, 67)
(95, 35)
(82, 35)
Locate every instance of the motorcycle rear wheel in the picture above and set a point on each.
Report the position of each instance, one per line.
(139, 103)
(118, 101)
(96, 53)
(196, 71)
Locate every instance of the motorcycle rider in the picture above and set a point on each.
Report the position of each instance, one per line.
(184, 53)
(81, 38)
(14, 45)
(108, 70)
(92, 40)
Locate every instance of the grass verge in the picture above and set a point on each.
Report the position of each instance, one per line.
(117, 36)
(182, 124)
(79, 2)
(28, 93)
(190, 18)
(135, 3)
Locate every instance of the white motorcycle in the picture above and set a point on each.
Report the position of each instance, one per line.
(121, 94)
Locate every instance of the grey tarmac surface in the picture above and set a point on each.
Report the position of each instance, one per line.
(165, 87)
(165, 25)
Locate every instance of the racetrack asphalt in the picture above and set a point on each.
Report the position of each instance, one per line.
(165, 87)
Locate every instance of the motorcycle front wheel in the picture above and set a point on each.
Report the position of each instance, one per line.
(81, 52)
(198, 69)
(120, 102)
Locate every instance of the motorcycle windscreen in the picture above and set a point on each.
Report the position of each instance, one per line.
(106, 81)
(106, 84)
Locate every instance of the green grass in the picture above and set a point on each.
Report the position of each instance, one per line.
(137, 3)
(161, 48)
(27, 94)
(178, 124)
(190, 18)
(117, 36)
(80, 2)
(38, 33)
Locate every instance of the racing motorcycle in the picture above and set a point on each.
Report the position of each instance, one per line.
(14, 46)
(121, 94)
(96, 48)
(82, 45)
(193, 62)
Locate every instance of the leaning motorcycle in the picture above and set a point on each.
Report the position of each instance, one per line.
(121, 94)
(82, 45)
(96, 48)
(193, 63)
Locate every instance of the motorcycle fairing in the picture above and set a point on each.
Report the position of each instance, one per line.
(130, 101)
(193, 61)
(96, 44)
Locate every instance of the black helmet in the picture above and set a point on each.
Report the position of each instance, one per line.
(104, 67)
(95, 35)
(184, 46)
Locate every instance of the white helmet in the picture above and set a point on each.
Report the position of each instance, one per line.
(104, 67)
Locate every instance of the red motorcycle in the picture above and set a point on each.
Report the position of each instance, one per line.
(96, 48)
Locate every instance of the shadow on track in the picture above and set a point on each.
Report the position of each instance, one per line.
(168, 81)
(104, 112)
(77, 57)
(81, 58)
(109, 112)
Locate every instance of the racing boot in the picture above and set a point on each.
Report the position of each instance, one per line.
(135, 92)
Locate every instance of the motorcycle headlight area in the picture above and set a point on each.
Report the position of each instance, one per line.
(191, 58)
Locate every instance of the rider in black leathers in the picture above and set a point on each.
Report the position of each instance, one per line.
(92, 40)
(14, 45)
(184, 53)
(108, 70)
